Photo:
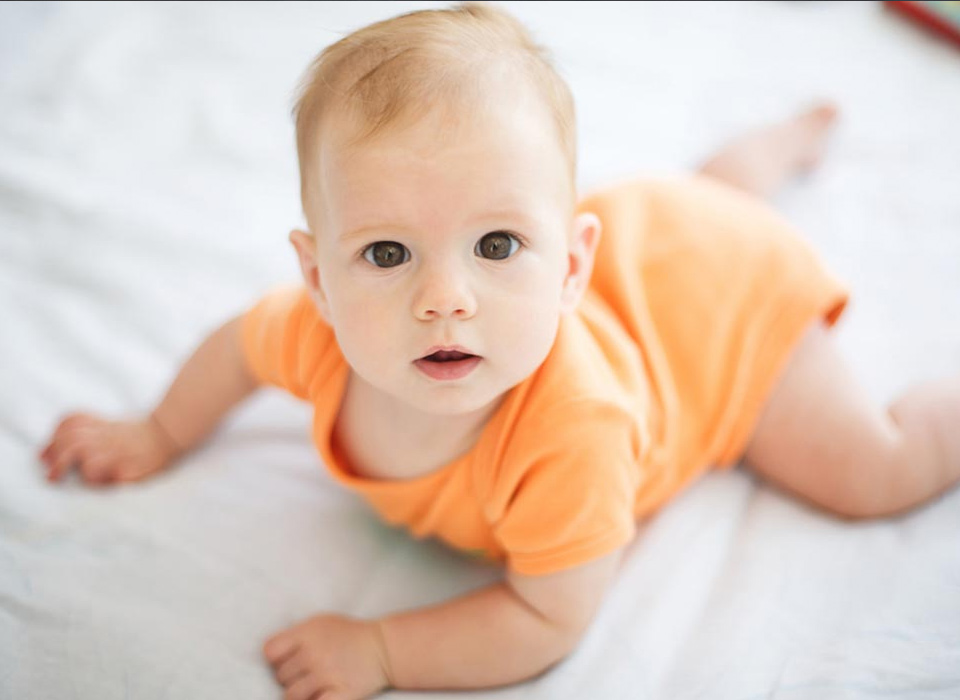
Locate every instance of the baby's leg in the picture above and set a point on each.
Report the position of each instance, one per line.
(820, 437)
(763, 160)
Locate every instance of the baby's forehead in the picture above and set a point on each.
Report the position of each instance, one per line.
(511, 133)
(452, 114)
(441, 175)
(344, 135)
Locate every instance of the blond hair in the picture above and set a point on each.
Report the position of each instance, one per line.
(402, 67)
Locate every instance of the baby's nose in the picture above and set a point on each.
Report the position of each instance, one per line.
(444, 294)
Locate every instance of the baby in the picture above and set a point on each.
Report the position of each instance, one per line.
(518, 372)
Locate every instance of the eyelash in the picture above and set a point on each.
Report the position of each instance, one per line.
(516, 240)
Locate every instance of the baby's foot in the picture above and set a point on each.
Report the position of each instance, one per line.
(763, 160)
(806, 134)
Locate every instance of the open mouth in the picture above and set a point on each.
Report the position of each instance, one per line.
(447, 356)
(447, 364)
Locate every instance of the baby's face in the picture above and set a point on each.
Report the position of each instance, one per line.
(442, 264)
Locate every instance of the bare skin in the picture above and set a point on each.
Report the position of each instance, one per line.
(765, 159)
(818, 437)
(104, 452)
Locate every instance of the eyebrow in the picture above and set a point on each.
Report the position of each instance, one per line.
(365, 231)
(523, 221)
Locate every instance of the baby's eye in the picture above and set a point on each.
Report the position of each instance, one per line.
(386, 254)
(498, 245)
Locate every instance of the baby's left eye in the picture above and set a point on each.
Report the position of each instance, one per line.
(498, 245)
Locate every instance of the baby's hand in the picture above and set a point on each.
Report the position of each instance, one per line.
(105, 452)
(329, 656)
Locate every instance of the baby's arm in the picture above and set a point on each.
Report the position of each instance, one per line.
(501, 634)
(213, 380)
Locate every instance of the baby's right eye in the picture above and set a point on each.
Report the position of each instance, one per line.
(386, 254)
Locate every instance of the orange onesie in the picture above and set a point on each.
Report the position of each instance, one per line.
(698, 295)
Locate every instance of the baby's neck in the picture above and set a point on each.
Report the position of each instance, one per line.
(384, 438)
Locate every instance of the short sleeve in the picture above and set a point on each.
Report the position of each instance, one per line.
(574, 502)
(284, 338)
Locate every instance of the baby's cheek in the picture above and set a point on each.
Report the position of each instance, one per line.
(531, 333)
(365, 331)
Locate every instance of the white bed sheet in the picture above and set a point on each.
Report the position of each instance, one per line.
(147, 183)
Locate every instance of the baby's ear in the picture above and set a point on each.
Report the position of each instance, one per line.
(584, 237)
(306, 247)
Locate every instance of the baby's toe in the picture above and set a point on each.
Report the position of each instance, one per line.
(825, 112)
(820, 117)
(279, 647)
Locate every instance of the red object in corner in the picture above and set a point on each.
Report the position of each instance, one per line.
(941, 17)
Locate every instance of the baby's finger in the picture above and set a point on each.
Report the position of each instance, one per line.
(279, 648)
(98, 470)
(49, 451)
(72, 455)
(304, 688)
(64, 434)
(75, 420)
(63, 427)
(290, 670)
(331, 695)
(62, 461)
(126, 474)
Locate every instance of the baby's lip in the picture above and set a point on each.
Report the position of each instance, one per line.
(448, 363)
(447, 353)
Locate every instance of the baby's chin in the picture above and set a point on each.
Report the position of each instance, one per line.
(450, 402)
